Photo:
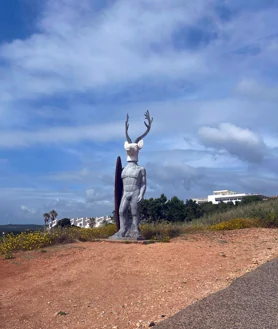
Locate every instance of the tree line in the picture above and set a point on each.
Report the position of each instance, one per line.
(172, 210)
(176, 210)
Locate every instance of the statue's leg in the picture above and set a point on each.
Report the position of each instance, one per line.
(134, 231)
(123, 212)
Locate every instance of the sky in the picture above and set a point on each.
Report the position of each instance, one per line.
(70, 71)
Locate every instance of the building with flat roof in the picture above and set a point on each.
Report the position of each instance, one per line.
(224, 196)
(84, 222)
(200, 200)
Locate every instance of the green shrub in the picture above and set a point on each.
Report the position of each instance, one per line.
(64, 222)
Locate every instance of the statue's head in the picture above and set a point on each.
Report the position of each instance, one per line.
(132, 149)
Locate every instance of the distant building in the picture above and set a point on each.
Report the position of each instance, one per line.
(200, 200)
(84, 222)
(225, 196)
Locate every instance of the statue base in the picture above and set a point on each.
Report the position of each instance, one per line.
(139, 238)
(126, 241)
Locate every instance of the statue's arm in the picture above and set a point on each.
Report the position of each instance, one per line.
(143, 184)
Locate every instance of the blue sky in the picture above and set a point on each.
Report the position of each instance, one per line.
(70, 71)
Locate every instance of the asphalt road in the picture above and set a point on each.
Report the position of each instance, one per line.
(250, 302)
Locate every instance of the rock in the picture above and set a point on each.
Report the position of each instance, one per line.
(151, 324)
(62, 313)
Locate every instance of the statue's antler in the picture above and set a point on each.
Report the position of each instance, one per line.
(126, 129)
(148, 125)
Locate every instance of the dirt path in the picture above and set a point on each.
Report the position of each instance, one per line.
(106, 285)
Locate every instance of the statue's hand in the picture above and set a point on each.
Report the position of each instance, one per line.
(140, 197)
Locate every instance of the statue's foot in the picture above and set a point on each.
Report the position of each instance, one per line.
(128, 235)
(134, 234)
(118, 235)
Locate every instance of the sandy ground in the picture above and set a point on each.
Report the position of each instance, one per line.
(116, 285)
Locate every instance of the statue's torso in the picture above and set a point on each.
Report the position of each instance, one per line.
(132, 177)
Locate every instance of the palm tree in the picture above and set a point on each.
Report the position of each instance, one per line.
(92, 222)
(53, 214)
(46, 218)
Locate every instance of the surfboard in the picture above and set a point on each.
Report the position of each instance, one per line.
(118, 190)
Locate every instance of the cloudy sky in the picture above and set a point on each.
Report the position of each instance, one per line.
(70, 71)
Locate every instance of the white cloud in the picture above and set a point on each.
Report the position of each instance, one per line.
(174, 175)
(28, 210)
(21, 205)
(243, 143)
(77, 50)
(252, 89)
(65, 135)
(68, 135)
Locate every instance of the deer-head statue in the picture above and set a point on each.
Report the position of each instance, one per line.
(132, 149)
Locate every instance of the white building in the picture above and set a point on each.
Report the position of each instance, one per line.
(81, 222)
(85, 222)
(200, 200)
(224, 196)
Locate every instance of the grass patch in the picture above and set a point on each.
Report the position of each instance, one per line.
(159, 231)
(266, 213)
(165, 231)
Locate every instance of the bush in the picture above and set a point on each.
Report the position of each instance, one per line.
(89, 234)
(24, 241)
(236, 223)
(65, 222)
(160, 231)
(38, 239)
